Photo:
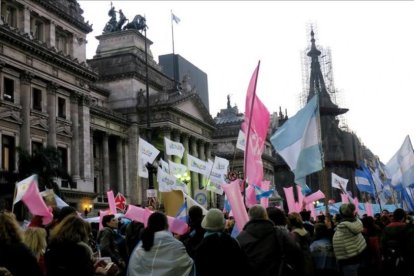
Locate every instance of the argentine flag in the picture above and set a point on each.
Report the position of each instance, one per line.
(363, 181)
(298, 141)
(261, 193)
(401, 166)
(182, 213)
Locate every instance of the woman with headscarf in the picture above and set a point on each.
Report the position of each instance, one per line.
(158, 252)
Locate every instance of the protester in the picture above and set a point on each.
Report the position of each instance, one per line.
(158, 252)
(218, 249)
(322, 252)
(107, 241)
(259, 241)
(15, 256)
(278, 217)
(196, 233)
(68, 253)
(348, 241)
(133, 233)
(35, 239)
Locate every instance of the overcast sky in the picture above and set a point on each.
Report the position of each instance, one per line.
(372, 47)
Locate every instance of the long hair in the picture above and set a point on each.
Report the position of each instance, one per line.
(70, 229)
(10, 231)
(35, 239)
(156, 222)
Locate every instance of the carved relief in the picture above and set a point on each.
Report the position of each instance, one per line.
(7, 113)
(52, 87)
(63, 129)
(38, 122)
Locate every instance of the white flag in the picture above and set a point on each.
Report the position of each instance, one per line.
(173, 148)
(198, 165)
(220, 165)
(177, 169)
(241, 140)
(339, 182)
(164, 166)
(175, 18)
(22, 186)
(146, 154)
(169, 182)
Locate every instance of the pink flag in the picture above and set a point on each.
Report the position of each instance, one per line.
(299, 204)
(111, 201)
(250, 196)
(368, 209)
(356, 203)
(34, 202)
(313, 197)
(264, 201)
(177, 226)
(255, 127)
(344, 198)
(135, 213)
(235, 198)
(290, 199)
(102, 213)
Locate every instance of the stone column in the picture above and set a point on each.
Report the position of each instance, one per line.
(202, 179)
(119, 166)
(52, 34)
(134, 187)
(167, 134)
(105, 159)
(194, 175)
(51, 110)
(211, 196)
(25, 96)
(176, 138)
(26, 20)
(93, 163)
(126, 168)
(84, 127)
(185, 142)
(74, 115)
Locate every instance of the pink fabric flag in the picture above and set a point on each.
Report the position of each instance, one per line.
(255, 127)
(299, 205)
(102, 213)
(135, 213)
(344, 198)
(147, 213)
(235, 198)
(368, 209)
(250, 196)
(177, 226)
(290, 199)
(35, 203)
(111, 202)
(265, 187)
(313, 197)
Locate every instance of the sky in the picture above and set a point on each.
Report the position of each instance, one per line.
(371, 43)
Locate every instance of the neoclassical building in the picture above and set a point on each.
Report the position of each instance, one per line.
(92, 111)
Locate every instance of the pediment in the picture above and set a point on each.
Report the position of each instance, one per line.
(39, 123)
(64, 130)
(195, 108)
(10, 115)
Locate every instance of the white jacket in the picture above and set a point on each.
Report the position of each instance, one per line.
(348, 240)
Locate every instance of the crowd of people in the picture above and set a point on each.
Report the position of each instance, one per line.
(270, 243)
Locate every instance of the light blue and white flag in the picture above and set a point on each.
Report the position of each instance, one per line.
(298, 141)
(261, 193)
(400, 168)
(182, 213)
(175, 18)
(173, 148)
(363, 181)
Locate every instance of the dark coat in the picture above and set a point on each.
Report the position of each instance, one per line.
(69, 259)
(108, 246)
(219, 254)
(19, 260)
(260, 244)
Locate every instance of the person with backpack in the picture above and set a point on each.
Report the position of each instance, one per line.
(393, 243)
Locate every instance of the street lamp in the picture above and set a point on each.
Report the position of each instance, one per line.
(87, 209)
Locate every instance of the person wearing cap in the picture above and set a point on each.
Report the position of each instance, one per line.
(348, 241)
(219, 253)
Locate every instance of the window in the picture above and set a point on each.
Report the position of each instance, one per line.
(37, 30)
(61, 42)
(61, 108)
(10, 16)
(36, 147)
(8, 92)
(7, 153)
(37, 99)
(63, 155)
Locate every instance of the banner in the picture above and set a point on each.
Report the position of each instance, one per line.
(235, 199)
(198, 165)
(173, 148)
(177, 169)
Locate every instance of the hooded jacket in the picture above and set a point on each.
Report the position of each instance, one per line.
(348, 240)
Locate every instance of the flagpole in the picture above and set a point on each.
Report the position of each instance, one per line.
(14, 196)
(246, 149)
(173, 49)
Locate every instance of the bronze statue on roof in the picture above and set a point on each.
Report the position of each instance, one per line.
(114, 25)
